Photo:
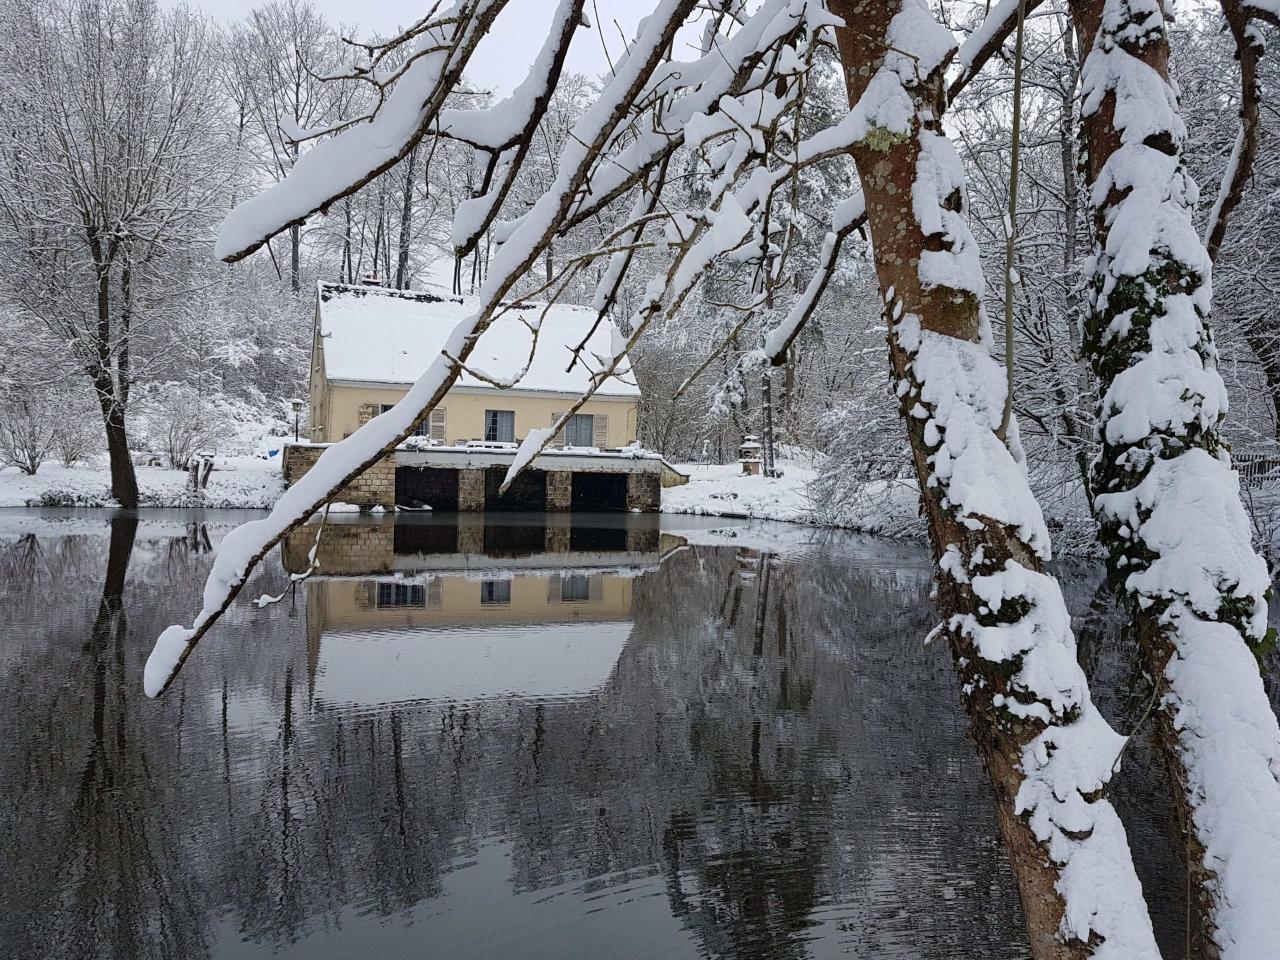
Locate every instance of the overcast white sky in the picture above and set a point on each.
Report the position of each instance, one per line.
(503, 57)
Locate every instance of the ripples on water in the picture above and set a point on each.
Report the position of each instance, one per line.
(521, 739)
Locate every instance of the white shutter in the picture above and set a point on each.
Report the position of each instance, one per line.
(439, 419)
(559, 440)
(600, 431)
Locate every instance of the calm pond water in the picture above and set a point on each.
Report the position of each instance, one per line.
(625, 737)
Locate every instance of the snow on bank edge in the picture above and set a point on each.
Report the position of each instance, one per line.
(237, 483)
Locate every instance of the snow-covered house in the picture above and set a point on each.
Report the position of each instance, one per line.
(371, 343)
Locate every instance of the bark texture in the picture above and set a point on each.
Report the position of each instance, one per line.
(968, 546)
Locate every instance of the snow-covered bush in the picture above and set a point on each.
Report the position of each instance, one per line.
(178, 421)
(27, 433)
(77, 437)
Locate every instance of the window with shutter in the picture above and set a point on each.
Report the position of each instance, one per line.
(559, 441)
(578, 432)
(575, 588)
(439, 420)
(600, 431)
(421, 430)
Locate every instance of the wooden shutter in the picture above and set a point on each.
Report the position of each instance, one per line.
(553, 588)
(559, 440)
(600, 431)
(439, 419)
(435, 593)
(595, 587)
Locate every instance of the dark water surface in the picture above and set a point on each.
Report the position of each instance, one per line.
(620, 738)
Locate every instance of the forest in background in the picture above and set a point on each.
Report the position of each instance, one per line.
(134, 129)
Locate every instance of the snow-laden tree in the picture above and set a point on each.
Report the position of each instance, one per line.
(1167, 499)
(273, 66)
(111, 159)
(736, 110)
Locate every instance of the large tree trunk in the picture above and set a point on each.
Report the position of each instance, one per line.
(1046, 749)
(1167, 500)
(124, 484)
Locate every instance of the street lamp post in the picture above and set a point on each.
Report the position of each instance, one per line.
(297, 412)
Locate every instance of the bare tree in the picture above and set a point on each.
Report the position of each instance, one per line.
(274, 67)
(108, 159)
(28, 433)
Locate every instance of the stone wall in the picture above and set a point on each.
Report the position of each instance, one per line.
(559, 490)
(471, 491)
(376, 487)
(644, 492)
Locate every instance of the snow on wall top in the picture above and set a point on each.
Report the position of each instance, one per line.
(378, 335)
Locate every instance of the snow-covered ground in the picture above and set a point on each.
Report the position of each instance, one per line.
(237, 482)
(720, 490)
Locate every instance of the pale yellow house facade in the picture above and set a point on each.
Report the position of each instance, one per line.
(371, 343)
(448, 601)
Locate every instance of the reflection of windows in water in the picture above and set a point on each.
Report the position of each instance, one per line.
(500, 426)
(575, 587)
(495, 591)
(402, 595)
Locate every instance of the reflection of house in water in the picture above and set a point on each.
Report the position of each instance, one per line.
(460, 608)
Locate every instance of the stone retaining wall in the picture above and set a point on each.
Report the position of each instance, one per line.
(644, 492)
(376, 487)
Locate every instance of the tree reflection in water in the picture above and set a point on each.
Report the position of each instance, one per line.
(770, 765)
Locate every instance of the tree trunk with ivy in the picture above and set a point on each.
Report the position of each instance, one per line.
(1047, 751)
(1166, 498)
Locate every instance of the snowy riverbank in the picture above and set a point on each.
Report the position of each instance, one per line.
(720, 490)
(237, 483)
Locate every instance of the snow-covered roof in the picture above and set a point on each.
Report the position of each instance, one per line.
(377, 335)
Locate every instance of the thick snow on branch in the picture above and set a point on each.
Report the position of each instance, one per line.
(500, 126)
(993, 25)
(847, 214)
(336, 167)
